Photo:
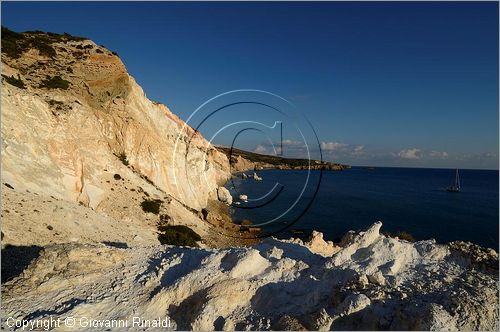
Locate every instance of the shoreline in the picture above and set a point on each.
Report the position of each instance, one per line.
(241, 160)
(395, 232)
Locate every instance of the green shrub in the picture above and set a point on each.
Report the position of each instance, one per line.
(178, 236)
(10, 41)
(123, 158)
(68, 37)
(17, 82)
(246, 222)
(14, 44)
(55, 103)
(43, 45)
(405, 236)
(402, 235)
(56, 82)
(151, 205)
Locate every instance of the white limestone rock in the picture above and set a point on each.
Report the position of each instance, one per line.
(254, 288)
(224, 196)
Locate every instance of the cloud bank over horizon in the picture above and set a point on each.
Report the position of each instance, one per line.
(367, 155)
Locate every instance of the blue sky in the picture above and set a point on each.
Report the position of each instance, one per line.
(384, 84)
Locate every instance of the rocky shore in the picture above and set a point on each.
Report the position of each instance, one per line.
(371, 282)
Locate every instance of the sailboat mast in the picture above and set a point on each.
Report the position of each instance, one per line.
(457, 181)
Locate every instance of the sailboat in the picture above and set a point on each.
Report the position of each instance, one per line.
(455, 188)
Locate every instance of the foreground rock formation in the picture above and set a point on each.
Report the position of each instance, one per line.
(373, 282)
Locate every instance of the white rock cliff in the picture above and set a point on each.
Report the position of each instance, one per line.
(99, 143)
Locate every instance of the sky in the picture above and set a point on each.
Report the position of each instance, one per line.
(382, 84)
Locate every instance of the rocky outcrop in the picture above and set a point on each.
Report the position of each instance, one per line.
(374, 282)
(80, 129)
(256, 177)
(224, 196)
(318, 245)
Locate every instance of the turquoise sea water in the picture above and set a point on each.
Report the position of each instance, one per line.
(414, 200)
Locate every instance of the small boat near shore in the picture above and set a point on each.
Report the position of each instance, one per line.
(455, 188)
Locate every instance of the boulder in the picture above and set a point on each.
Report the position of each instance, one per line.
(319, 246)
(377, 278)
(224, 196)
(354, 303)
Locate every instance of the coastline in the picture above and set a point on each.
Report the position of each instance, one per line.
(96, 228)
(241, 161)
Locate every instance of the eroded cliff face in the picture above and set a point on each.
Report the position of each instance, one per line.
(81, 118)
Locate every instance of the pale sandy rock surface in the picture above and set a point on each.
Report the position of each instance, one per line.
(37, 219)
(272, 285)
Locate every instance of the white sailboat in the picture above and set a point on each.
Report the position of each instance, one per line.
(456, 186)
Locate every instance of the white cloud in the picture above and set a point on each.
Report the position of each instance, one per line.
(417, 154)
(357, 154)
(289, 146)
(413, 153)
(260, 149)
(359, 148)
(289, 142)
(438, 154)
(478, 156)
(343, 151)
(333, 146)
(358, 151)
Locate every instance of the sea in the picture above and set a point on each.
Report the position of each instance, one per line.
(288, 203)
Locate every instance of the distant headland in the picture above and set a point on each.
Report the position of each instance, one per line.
(241, 160)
